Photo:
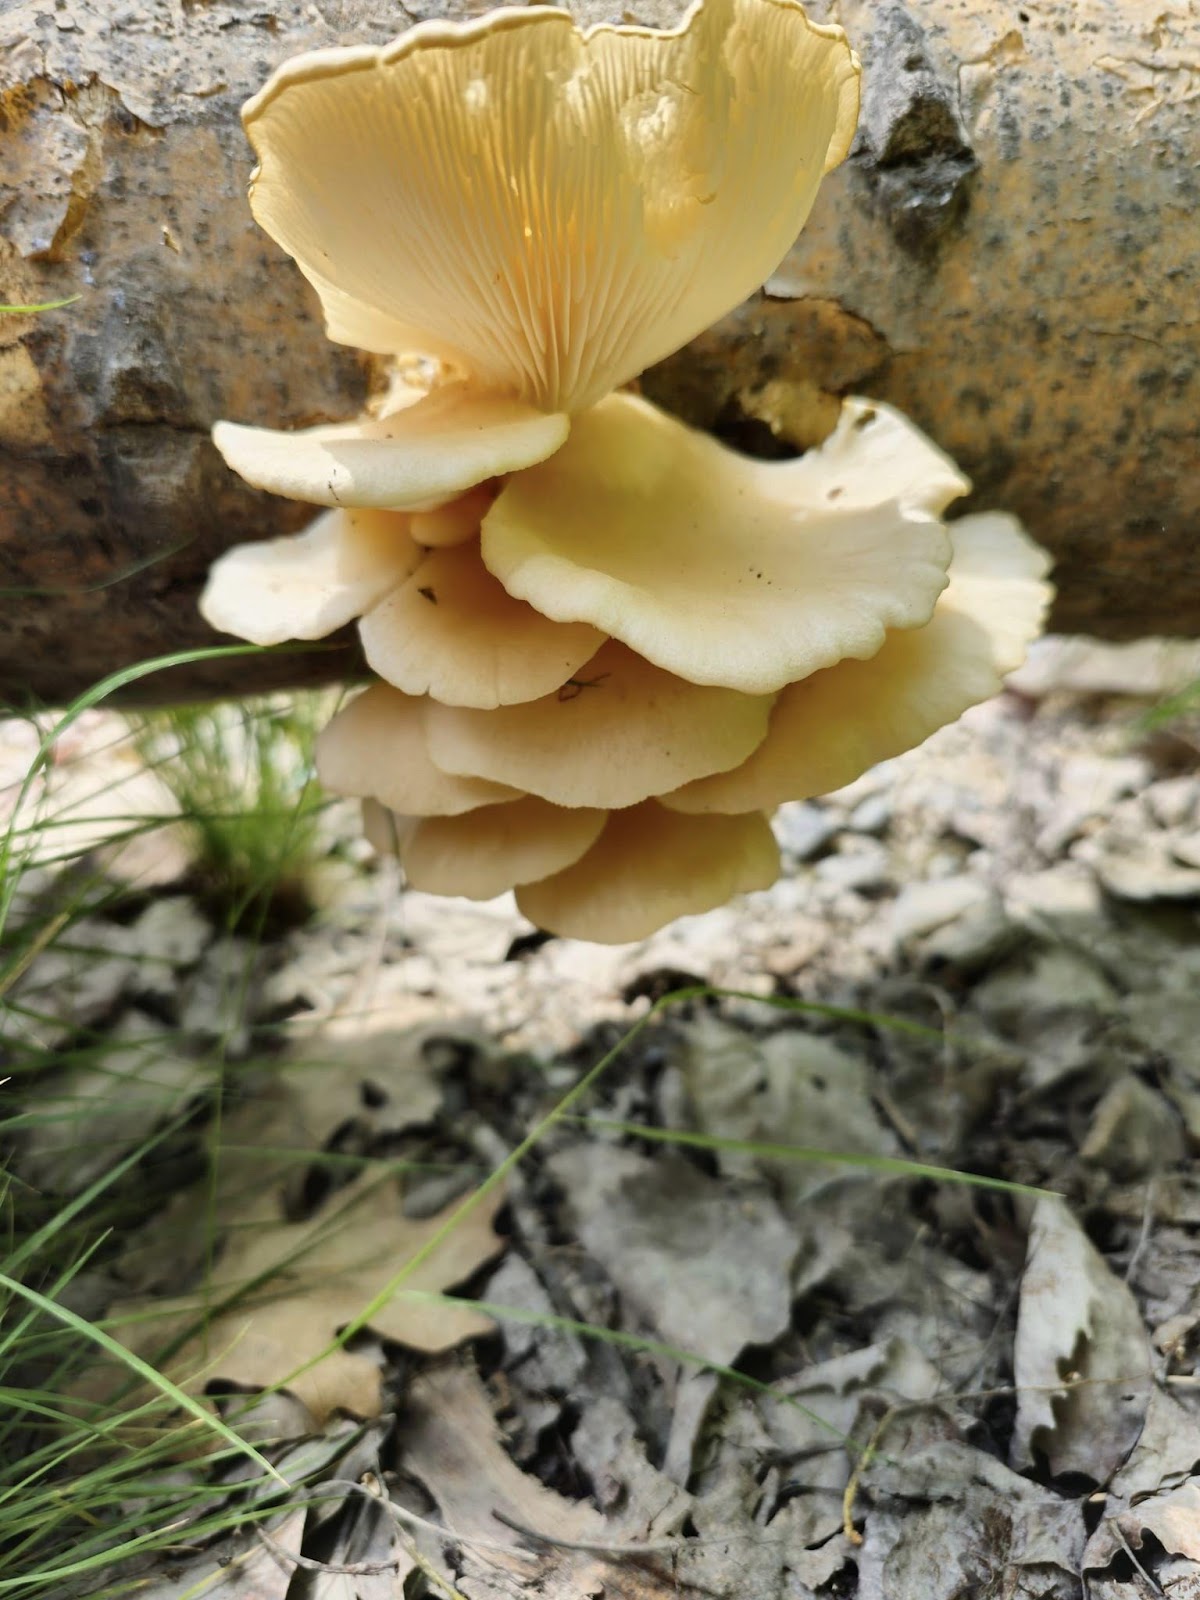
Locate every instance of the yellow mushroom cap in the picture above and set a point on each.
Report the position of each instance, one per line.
(452, 631)
(618, 732)
(306, 586)
(411, 460)
(828, 729)
(723, 569)
(649, 867)
(376, 749)
(481, 853)
(609, 645)
(551, 211)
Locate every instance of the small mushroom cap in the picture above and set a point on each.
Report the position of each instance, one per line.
(722, 569)
(621, 730)
(482, 853)
(650, 866)
(376, 749)
(456, 520)
(411, 460)
(551, 211)
(998, 576)
(384, 830)
(831, 727)
(309, 585)
(453, 632)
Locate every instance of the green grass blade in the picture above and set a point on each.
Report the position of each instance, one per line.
(44, 1236)
(34, 591)
(143, 1370)
(1183, 703)
(90, 698)
(895, 1165)
(46, 305)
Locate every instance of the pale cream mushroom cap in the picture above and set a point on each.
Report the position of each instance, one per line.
(998, 577)
(410, 460)
(547, 210)
(452, 631)
(384, 830)
(309, 585)
(375, 749)
(831, 727)
(650, 866)
(455, 521)
(620, 731)
(723, 569)
(350, 321)
(482, 853)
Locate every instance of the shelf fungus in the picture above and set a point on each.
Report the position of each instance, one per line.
(607, 647)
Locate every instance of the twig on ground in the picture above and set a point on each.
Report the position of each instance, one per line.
(1125, 1545)
(351, 1569)
(909, 1136)
(1143, 1238)
(860, 1466)
(438, 1579)
(411, 1519)
(406, 1519)
(604, 1547)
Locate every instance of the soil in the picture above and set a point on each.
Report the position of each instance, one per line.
(710, 1367)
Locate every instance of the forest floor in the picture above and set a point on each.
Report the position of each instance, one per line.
(718, 1328)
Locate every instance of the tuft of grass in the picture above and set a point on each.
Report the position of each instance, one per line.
(84, 1488)
(1182, 706)
(19, 840)
(248, 801)
(80, 1491)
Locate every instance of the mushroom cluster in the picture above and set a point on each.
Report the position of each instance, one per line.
(606, 645)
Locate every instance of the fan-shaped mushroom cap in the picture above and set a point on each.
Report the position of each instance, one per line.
(411, 460)
(650, 866)
(547, 210)
(376, 749)
(723, 569)
(831, 727)
(619, 731)
(307, 586)
(452, 631)
(482, 853)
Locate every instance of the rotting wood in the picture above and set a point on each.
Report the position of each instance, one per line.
(1007, 255)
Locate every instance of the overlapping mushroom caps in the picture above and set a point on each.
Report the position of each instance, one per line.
(607, 646)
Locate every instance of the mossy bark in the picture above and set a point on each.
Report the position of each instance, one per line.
(1008, 255)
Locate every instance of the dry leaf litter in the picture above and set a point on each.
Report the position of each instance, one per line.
(944, 1390)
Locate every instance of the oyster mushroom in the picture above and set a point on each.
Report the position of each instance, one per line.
(608, 645)
(376, 748)
(828, 728)
(615, 734)
(482, 853)
(726, 570)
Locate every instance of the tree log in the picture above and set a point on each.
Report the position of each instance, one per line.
(1009, 255)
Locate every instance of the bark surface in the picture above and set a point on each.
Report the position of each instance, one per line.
(1009, 255)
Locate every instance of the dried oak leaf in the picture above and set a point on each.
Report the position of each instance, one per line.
(1082, 1356)
(304, 1281)
(567, 1551)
